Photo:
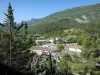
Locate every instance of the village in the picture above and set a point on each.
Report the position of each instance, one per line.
(45, 47)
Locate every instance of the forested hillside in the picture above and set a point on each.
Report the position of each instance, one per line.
(68, 18)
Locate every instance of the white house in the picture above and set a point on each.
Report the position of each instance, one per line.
(72, 47)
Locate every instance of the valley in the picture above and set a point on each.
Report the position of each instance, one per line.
(64, 43)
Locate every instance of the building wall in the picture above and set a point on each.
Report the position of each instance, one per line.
(39, 52)
(42, 42)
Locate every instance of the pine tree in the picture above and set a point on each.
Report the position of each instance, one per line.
(26, 26)
(22, 24)
(11, 24)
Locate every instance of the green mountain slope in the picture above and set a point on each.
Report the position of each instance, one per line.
(68, 18)
(92, 11)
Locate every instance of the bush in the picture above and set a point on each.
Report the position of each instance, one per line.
(60, 47)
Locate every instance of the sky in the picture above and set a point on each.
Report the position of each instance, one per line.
(27, 9)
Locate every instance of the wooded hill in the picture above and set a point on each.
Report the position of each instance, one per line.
(69, 18)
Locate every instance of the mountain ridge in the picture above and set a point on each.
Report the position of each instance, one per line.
(32, 21)
(68, 18)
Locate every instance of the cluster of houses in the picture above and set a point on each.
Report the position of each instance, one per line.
(44, 47)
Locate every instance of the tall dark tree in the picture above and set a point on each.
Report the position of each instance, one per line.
(16, 45)
(50, 63)
(22, 24)
(26, 26)
(11, 24)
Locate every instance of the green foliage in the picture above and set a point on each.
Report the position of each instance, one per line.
(53, 26)
(97, 53)
(64, 66)
(90, 42)
(80, 39)
(22, 24)
(67, 57)
(60, 24)
(11, 25)
(72, 40)
(60, 47)
(15, 44)
(66, 19)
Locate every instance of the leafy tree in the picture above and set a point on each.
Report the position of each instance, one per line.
(64, 67)
(80, 39)
(67, 57)
(60, 47)
(97, 53)
(90, 42)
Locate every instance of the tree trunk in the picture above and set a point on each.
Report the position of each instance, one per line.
(10, 45)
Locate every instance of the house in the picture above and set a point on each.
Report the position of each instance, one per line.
(51, 46)
(73, 48)
(45, 52)
(51, 40)
(60, 39)
(42, 42)
(38, 52)
(38, 49)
